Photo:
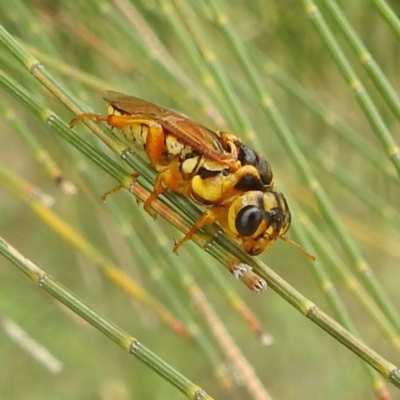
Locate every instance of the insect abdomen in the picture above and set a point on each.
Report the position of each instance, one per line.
(135, 133)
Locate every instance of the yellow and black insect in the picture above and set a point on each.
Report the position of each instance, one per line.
(214, 169)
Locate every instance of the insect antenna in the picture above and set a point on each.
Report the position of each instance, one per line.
(294, 244)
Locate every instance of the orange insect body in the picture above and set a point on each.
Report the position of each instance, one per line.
(216, 170)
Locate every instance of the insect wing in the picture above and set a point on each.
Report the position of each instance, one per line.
(200, 139)
(134, 105)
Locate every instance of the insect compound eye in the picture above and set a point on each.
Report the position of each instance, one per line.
(247, 220)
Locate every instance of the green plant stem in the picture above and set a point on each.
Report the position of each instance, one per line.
(109, 329)
(361, 95)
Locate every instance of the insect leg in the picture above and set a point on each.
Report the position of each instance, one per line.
(82, 117)
(155, 143)
(116, 188)
(207, 218)
(166, 179)
(158, 189)
(112, 191)
(114, 121)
